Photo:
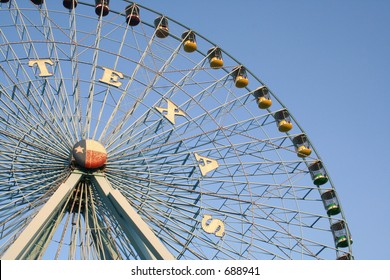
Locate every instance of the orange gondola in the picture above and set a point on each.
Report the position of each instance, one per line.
(162, 28)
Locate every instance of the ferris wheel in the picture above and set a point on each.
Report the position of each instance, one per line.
(127, 135)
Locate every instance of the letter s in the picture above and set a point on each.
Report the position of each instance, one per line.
(215, 226)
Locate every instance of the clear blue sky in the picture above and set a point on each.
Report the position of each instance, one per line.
(329, 63)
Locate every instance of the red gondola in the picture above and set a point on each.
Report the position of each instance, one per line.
(132, 15)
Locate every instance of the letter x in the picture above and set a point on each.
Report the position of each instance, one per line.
(171, 111)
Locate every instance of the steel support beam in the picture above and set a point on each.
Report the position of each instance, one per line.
(24, 245)
(103, 241)
(145, 242)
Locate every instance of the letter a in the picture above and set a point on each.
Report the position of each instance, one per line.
(206, 164)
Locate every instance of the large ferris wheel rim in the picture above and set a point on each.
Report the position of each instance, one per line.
(204, 54)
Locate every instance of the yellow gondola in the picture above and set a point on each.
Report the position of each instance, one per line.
(263, 98)
(240, 77)
(215, 58)
(283, 120)
(302, 145)
(189, 41)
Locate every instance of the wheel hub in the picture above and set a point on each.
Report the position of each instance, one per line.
(89, 154)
